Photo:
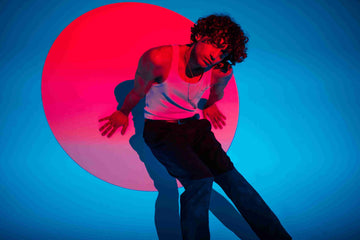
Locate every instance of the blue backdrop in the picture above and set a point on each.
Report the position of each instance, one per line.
(297, 140)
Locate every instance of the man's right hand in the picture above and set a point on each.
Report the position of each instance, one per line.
(114, 121)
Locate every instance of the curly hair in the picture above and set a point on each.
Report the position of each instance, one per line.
(222, 27)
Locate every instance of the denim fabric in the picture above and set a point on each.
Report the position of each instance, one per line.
(191, 153)
(194, 214)
(189, 150)
(253, 208)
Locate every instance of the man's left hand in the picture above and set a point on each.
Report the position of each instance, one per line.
(214, 115)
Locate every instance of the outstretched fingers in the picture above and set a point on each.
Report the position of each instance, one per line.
(105, 118)
(213, 122)
(114, 121)
(220, 121)
(221, 115)
(104, 126)
(112, 132)
(217, 120)
(107, 130)
(123, 130)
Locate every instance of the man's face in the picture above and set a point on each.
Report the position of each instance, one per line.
(208, 53)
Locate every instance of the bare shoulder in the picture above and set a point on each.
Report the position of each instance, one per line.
(151, 68)
(157, 57)
(220, 76)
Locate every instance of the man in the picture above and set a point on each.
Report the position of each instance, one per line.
(173, 79)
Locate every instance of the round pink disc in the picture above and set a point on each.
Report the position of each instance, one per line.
(90, 67)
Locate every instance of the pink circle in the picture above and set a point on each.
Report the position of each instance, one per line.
(95, 57)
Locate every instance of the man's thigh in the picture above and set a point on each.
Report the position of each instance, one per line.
(171, 145)
(210, 151)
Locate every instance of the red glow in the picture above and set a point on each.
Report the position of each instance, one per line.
(90, 57)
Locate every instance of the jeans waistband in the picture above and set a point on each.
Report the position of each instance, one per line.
(179, 121)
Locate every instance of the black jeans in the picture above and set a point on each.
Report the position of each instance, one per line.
(191, 153)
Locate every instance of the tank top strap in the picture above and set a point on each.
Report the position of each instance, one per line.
(208, 77)
(174, 69)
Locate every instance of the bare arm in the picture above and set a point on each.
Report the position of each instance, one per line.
(147, 72)
(211, 111)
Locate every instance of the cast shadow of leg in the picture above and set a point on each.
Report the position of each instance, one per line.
(167, 219)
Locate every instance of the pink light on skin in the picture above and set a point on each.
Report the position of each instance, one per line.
(91, 56)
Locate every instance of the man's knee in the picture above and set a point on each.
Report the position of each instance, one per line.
(197, 191)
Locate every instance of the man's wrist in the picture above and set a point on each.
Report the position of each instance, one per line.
(123, 111)
(208, 104)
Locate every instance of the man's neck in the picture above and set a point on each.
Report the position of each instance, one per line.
(192, 68)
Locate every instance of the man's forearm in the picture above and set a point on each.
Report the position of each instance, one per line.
(213, 98)
(131, 100)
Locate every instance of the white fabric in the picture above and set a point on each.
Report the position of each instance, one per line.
(174, 98)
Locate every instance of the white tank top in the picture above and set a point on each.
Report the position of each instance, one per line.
(174, 98)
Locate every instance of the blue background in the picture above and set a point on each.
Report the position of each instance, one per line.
(297, 140)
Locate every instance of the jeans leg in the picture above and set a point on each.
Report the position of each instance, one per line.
(171, 144)
(250, 204)
(195, 203)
